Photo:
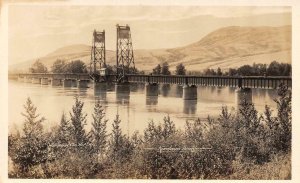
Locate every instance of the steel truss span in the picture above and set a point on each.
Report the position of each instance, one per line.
(238, 82)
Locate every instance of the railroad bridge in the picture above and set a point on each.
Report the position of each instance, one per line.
(123, 77)
(243, 85)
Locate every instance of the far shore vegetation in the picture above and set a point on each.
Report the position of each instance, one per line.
(275, 68)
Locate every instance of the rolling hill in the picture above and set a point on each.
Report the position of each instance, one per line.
(226, 47)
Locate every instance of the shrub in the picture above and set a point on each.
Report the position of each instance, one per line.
(78, 121)
(180, 69)
(38, 67)
(280, 127)
(31, 148)
(98, 131)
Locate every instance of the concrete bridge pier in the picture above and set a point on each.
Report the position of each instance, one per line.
(55, 82)
(82, 83)
(67, 82)
(151, 89)
(36, 80)
(189, 92)
(44, 81)
(100, 87)
(241, 95)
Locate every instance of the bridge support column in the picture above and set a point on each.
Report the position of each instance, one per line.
(151, 89)
(189, 92)
(56, 82)
(100, 87)
(241, 95)
(82, 83)
(44, 81)
(36, 80)
(122, 87)
(67, 82)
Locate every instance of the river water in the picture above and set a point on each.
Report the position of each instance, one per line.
(135, 110)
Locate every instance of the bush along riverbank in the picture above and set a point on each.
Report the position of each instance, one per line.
(236, 145)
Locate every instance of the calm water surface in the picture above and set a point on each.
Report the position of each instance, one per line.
(135, 110)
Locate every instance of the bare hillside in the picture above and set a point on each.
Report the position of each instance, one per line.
(235, 46)
(225, 47)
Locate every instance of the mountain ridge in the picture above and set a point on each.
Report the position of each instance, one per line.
(226, 47)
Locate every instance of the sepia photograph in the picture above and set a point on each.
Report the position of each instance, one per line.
(149, 92)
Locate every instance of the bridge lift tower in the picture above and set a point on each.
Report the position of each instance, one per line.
(124, 53)
(98, 58)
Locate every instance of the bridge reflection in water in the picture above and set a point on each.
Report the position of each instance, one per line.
(151, 100)
(122, 93)
(190, 106)
(100, 90)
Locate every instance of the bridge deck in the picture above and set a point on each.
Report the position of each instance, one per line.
(231, 81)
(234, 81)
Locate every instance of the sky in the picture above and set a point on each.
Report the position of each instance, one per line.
(36, 30)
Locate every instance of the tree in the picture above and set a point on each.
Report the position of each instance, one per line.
(116, 137)
(98, 130)
(110, 69)
(180, 69)
(153, 134)
(280, 127)
(284, 118)
(194, 133)
(32, 148)
(232, 72)
(32, 125)
(165, 69)
(78, 120)
(279, 69)
(168, 127)
(210, 72)
(222, 137)
(38, 67)
(219, 72)
(274, 69)
(157, 70)
(76, 66)
(120, 145)
(259, 69)
(286, 69)
(64, 130)
(60, 136)
(245, 70)
(58, 66)
(130, 70)
(251, 133)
